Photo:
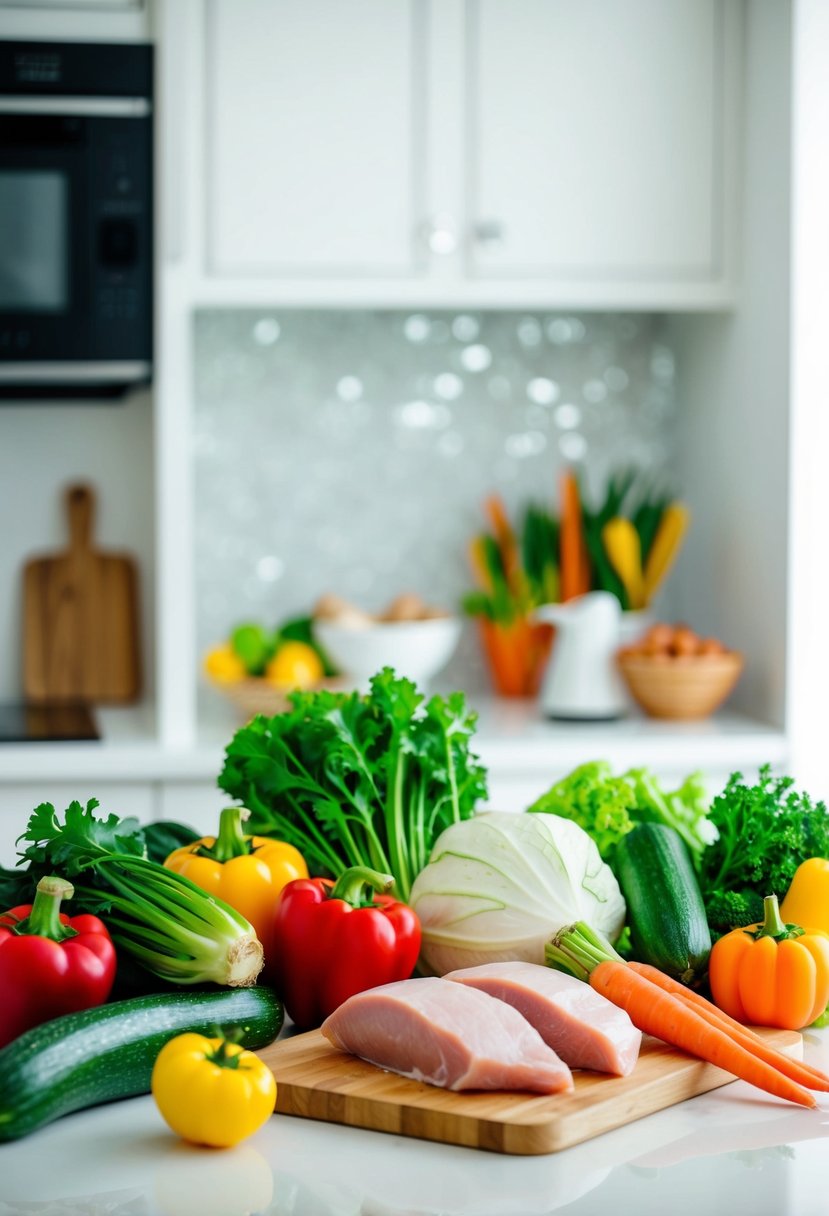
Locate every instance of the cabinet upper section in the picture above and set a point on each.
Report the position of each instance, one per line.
(547, 152)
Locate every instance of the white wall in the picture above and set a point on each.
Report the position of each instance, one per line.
(42, 448)
(809, 572)
(734, 390)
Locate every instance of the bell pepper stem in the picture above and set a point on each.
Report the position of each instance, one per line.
(773, 925)
(231, 841)
(349, 886)
(221, 1054)
(44, 918)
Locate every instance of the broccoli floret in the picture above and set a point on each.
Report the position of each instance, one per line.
(727, 910)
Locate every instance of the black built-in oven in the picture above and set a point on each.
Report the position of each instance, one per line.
(76, 218)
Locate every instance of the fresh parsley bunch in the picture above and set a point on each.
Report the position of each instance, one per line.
(359, 779)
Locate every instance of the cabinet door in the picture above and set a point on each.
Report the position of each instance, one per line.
(596, 138)
(315, 115)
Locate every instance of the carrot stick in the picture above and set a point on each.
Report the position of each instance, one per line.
(812, 1078)
(581, 951)
(505, 537)
(574, 562)
(664, 1016)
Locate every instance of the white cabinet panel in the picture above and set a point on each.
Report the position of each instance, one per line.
(315, 114)
(596, 138)
(17, 801)
(196, 803)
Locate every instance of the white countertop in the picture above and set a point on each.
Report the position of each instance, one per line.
(733, 1151)
(512, 737)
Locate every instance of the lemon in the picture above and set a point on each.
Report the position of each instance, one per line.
(223, 665)
(295, 665)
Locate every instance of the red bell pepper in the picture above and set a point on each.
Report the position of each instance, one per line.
(50, 964)
(331, 942)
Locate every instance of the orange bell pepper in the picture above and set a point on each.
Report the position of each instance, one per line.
(771, 974)
(247, 872)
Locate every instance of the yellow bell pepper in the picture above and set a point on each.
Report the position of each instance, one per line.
(773, 974)
(247, 872)
(807, 899)
(212, 1091)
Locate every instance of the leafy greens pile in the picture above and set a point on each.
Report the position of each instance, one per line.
(359, 779)
(765, 831)
(608, 807)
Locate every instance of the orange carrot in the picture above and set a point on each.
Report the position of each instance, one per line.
(812, 1078)
(505, 538)
(662, 1015)
(574, 562)
(586, 954)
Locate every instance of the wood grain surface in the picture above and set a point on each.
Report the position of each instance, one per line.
(315, 1081)
(80, 618)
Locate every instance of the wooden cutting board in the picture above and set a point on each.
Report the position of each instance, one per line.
(80, 618)
(317, 1082)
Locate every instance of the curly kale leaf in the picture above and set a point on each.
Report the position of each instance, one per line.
(765, 831)
(608, 807)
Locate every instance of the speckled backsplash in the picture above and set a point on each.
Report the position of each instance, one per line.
(350, 451)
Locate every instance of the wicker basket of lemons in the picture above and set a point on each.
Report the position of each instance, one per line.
(257, 668)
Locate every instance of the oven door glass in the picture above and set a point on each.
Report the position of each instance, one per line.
(45, 241)
(34, 240)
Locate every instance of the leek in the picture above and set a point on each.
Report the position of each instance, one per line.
(169, 925)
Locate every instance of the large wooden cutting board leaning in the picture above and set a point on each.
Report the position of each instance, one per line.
(80, 618)
(316, 1081)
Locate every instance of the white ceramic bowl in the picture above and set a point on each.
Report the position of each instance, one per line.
(416, 649)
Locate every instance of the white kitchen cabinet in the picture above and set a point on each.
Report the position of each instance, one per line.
(18, 800)
(594, 153)
(198, 803)
(314, 117)
(470, 151)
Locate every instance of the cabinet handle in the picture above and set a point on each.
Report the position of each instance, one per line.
(439, 235)
(489, 234)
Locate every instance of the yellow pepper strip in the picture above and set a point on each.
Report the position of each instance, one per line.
(212, 1091)
(807, 899)
(247, 872)
(773, 974)
(666, 545)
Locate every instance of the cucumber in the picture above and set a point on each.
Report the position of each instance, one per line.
(100, 1054)
(666, 914)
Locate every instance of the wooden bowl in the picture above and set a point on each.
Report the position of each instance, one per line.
(256, 695)
(682, 686)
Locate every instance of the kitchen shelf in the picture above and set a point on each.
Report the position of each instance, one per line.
(512, 740)
(269, 292)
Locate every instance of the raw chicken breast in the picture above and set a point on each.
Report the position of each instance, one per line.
(580, 1025)
(447, 1034)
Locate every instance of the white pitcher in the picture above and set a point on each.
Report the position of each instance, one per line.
(582, 682)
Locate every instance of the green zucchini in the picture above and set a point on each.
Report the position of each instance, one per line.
(100, 1054)
(666, 914)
